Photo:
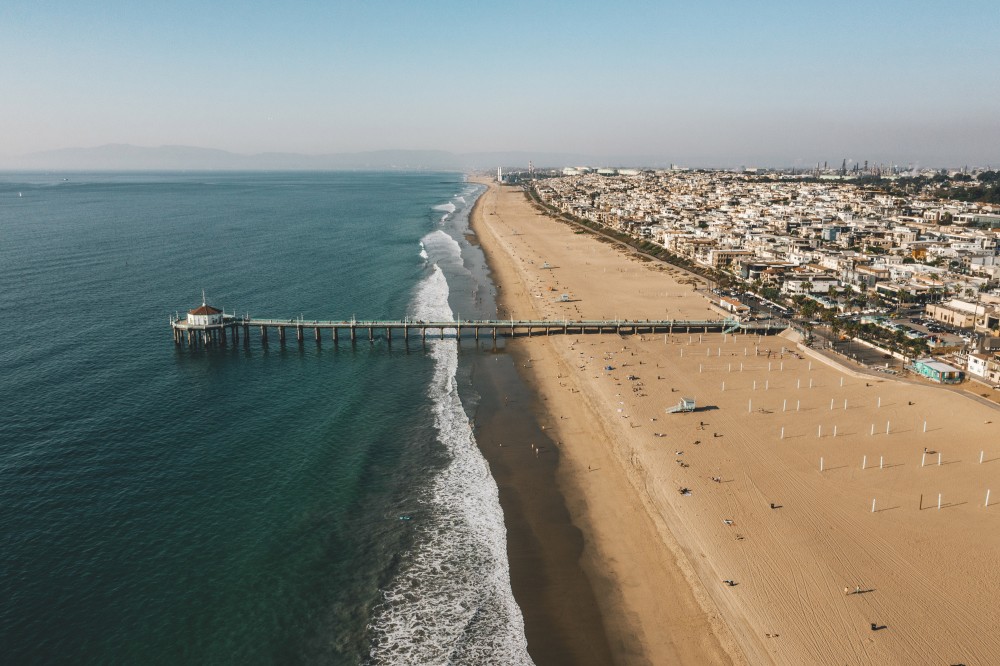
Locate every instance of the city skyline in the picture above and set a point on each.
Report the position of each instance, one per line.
(715, 84)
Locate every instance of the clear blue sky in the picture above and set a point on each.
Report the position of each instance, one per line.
(693, 82)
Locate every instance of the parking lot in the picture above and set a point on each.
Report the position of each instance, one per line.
(947, 334)
(866, 355)
(760, 308)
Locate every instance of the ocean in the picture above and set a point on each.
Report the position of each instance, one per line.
(295, 504)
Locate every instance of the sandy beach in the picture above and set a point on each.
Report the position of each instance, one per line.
(810, 576)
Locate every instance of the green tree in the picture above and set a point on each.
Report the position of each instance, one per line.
(899, 339)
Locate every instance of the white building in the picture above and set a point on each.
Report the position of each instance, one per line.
(205, 315)
(977, 364)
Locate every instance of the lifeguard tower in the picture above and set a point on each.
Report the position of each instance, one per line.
(685, 405)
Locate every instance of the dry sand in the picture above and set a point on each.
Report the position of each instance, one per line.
(657, 560)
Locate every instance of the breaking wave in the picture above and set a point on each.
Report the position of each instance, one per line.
(451, 602)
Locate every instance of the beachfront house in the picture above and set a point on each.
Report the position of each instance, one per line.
(985, 365)
(977, 364)
(936, 371)
(733, 306)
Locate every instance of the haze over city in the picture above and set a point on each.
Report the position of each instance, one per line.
(709, 83)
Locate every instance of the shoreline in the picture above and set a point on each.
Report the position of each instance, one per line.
(562, 623)
(794, 536)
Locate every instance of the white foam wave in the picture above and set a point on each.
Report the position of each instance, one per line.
(460, 198)
(446, 207)
(423, 251)
(443, 248)
(452, 602)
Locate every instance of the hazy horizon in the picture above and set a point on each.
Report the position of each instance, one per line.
(699, 84)
(127, 157)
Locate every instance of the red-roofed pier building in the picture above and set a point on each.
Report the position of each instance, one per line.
(205, 325)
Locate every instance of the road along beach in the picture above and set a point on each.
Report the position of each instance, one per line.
(803, 480)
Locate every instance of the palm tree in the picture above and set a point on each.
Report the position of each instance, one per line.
(835, 326)
(899, 340)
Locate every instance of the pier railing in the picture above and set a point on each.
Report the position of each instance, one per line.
(233, 326)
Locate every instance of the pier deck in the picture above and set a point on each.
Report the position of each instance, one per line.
(352, 329)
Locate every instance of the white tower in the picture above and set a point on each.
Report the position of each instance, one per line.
(499, 175)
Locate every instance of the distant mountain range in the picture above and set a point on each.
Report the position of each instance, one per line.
(125, 157)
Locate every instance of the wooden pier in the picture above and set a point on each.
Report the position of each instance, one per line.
(231, 328)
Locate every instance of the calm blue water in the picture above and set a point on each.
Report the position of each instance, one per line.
(166, 505)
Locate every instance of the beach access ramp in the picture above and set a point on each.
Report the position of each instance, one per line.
(685, 405)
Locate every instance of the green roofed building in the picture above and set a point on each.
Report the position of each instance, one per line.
(937, 371)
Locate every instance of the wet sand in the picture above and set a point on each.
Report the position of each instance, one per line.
(810, 575)
(561, 616)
